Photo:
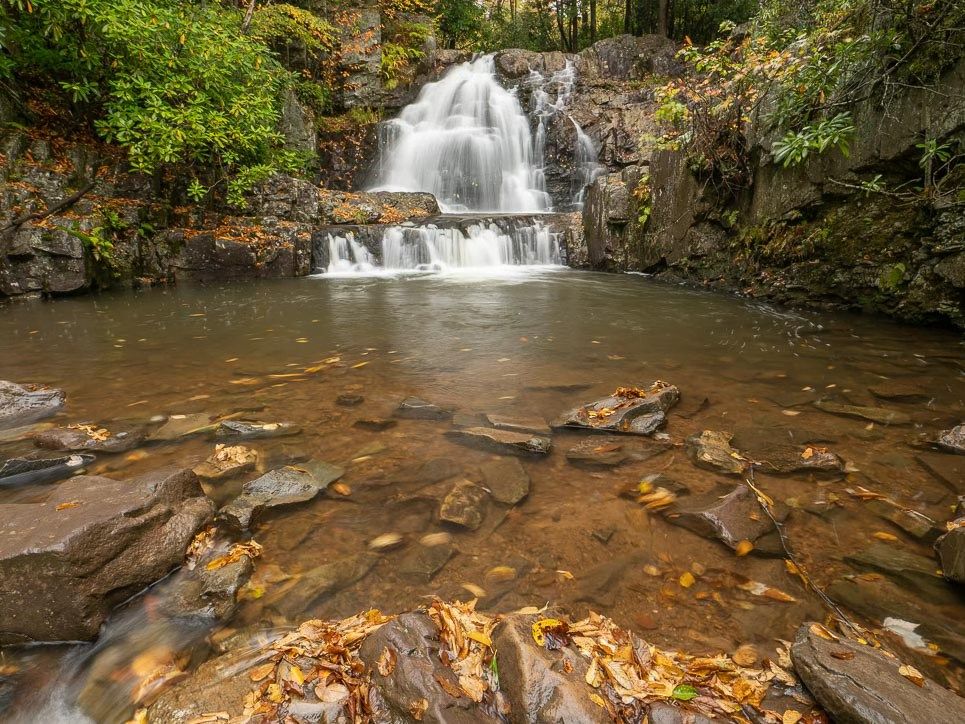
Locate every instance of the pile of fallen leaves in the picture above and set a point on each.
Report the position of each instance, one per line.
(320, 656)
(624, 397)
(628, 674)
(467, 647)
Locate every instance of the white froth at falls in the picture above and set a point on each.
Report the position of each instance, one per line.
(467, 141)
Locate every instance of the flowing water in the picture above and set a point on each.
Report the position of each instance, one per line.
(526, 342)
(467, 141)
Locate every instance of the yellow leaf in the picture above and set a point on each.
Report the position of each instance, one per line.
(68, 505)
(820, 631)
(881, 535)
(598, 700)
(342, 489)
(542, 624)
(480, 637)
(262, 672)
(687, 579)
(360, 364)
(791, 717)
(912, 674)
(744, 547)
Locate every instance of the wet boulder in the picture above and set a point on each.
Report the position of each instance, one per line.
(953, 440)
(856, 683)
(413, 408)
(411, 641)
(285, 486)
(21, 404)
(206, 590)
(880, 415)
(89, 438)
(465, 505)
(66, 562)
(912, 571)
(227, 461)
(503, 441)
(507, 480)
(951, 553)
(711, 450)
(251, 430)
(731, 518)
(629, 410)
(34, 471)
(542, 685)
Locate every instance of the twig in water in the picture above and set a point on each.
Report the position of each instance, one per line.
(808, 581)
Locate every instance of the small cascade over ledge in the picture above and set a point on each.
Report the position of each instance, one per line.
(446, 243)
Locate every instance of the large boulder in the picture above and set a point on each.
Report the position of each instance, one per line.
(857, 684)
(628, 57)
(66, 562)
(20, 405)
(629, 410)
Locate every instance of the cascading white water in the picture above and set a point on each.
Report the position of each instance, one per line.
(586, 167)
(480, 245)
(345, 254)
(467, 141)
(485, 244)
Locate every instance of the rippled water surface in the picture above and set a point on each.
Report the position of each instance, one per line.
(535, 343)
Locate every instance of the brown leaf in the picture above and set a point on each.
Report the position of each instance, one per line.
(262, 672)
(386, 662)
(418, 708)
(843, 655)
(68, 505)
(912, 674)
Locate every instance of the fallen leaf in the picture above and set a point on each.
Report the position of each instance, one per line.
(745, 655)
(262, 672)
(387, 661)
(69, 504)
(342, 489)
(684, 692)
(821, 632)
(791, 717)
(912, 674)
(843, 655)
(418, 708)
(687, 579)
(881, 535)
(743, 547)
(477, 591)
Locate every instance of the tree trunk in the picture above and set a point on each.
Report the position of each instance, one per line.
(628, 16)
(248, 14)
(592, 21)
(560, 23)
(663, 17)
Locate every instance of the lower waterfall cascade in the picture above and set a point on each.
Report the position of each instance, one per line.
(483, 244)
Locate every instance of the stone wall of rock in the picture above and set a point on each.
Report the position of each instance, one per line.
(808, 235)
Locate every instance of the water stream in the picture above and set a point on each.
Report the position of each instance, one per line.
(534, 343)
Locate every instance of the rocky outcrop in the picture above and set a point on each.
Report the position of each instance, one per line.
(20, 405)
(66, 562)
(808, 235)
(612, 218)
(856, 683)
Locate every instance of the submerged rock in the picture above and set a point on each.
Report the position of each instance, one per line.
(465, 505)
(314, 585)
(899, 390)
(412, 408)
(910, 521)
(735, 517)
(227, 461)
(285, 486)
(785, 450)
(856, 683)
(507, 480)
(249, 430)
(375, 424)
(20, 405)
(881, 415)
(420, 563)
(531, 424)
(503, 440)
(34, 471)
(951, 553)
(953, 440)
(948, 469)
(179, 426)
(711, 450)
(911, 570)
(66, 562)
(610, 452)
(629, 410)
(84, 438)
(349, 399)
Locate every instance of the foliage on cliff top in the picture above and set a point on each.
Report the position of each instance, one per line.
(801, 71)
(174, 83)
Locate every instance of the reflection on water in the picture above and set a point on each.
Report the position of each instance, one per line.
(524, 343)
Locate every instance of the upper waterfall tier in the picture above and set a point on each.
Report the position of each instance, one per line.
(467, 141)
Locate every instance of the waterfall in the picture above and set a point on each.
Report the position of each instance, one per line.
(586, 167)
(467, 141)
(465, 244)
(345, 254)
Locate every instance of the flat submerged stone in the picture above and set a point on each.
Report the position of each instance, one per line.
(285, 486)
(518, 443)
